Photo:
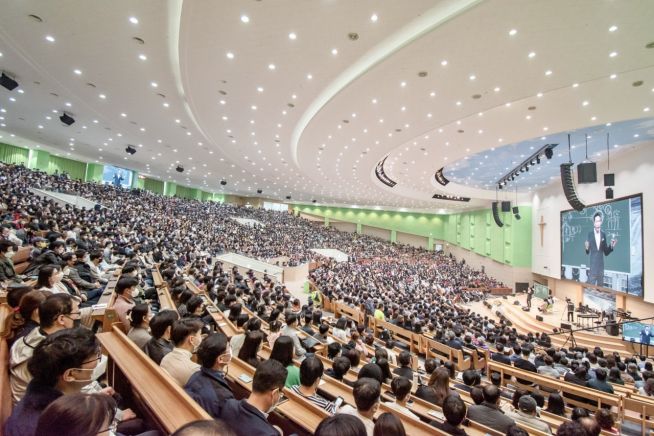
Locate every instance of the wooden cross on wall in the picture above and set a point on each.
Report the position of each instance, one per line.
(542, 225)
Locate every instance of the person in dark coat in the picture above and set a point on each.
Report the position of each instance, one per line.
(208, 386)
(597, 247)
(160, 328)
(62, 363)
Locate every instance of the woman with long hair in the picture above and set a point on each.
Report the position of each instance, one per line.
(139, 318)
(283, 353)
(438, 387)
(250, 348)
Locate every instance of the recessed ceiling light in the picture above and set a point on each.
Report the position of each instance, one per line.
(133, 20)
(575, 85)
(334, 51)
(271, 67)
(374, 101)
(245, 19)
(166, 104)
(78, 72)
(458, 103)
(102, 96)
(646, 109)
(402, 84)
(154, 84)
(68, 104)
(548, 72)
(531, 55)
(374, 18)
(472, 77)
(497, 89)
(143, 57)
(443, 63)
(49, 38)
(123, 115)
(292, 36)
(613, 54)
(230, 55)
(512, 32)
(613, 28)
(585, 103)
(309, 76)
(613, 76)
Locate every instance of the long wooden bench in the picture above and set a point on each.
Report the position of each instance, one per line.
(5, 387)
(591, 398)
(138, 379)
(21, 259)
(352, 313)
(437, 350)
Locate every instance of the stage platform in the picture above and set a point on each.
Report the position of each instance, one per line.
(525, 322)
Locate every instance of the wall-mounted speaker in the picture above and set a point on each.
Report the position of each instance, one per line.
(609, 193)
(506, 206)
(496, 215)
(609, 179)
(566, 326)
(569, 189)
(67, 119)
(8, 82)
(587, 172)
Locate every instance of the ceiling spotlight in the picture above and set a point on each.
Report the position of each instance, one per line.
(78, 72)
(374, 19)
(259, 191)
(288, 197)
(245, 19)
(549, 153)
(512, 32)
(133, 20)
(143, 57)
(8, 82)
(292, 36)
(49, 38)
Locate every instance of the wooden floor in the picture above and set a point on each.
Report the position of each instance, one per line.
(527, 322)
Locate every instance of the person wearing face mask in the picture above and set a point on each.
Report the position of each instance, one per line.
(161, 329)
(126, 291)
(250, 416)
(208, 386)
(51, 256)
(187, 337)
(63, 363)
(56, 312)
(7, 272)
(139, 318)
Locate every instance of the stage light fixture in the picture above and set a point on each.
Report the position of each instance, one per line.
(130, 149)
(516, 212)
(223, 182)
(8, 82)
(549, 153)
(288, 197)
(179, 169)
(538, 160)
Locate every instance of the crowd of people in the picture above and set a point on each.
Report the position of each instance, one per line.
(56, 368)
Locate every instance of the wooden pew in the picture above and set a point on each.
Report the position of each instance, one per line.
(21, 259)
(139, 379)
(165, 300)
(597, 397)
(5, 387)
(157, 278)
(343, 309)
(638, 409)
(435, 349)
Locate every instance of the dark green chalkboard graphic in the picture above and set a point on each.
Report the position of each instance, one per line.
(575, 227)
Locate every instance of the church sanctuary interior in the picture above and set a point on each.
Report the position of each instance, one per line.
(326, 217)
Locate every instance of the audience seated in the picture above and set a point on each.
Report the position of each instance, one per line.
(63, 363)
(489, 413)
(139, 320)
(526, 414)
(57, 312)
(341, 425)
(282, 352)
(388, 424)
(401, 387)
(455, 411)
(161, 327)
(215, 427)
(248, 417)
(367, 392)
(438, 387)
(208, 385)
(311, 371)
(186, 335)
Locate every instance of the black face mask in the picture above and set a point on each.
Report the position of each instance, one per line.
(77, 323)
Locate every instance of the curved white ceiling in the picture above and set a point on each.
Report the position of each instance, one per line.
(276, 95)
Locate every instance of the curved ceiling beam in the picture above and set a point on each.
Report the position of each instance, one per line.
(409, 33)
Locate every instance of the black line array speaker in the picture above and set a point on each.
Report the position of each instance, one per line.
(587, 172)
(506, 206)
(496, 215)
(612, 328)
(569, 189)
(609, 179)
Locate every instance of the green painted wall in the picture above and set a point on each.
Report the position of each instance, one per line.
(188, 193)
(13, 155)
(152, 185)
(475, 230)
(94, 172)
(170, 189)
(74, 169)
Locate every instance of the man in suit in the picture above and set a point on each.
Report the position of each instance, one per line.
(597, 246)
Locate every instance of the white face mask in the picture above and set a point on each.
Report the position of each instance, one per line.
(135, 293)
(10, 254)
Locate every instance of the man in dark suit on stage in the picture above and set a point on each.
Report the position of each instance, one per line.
(597, 246)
